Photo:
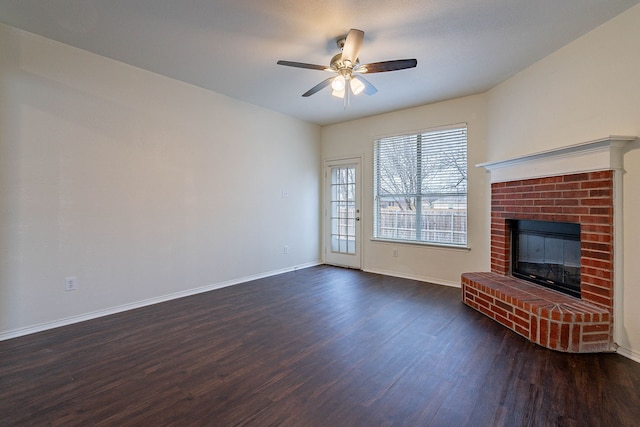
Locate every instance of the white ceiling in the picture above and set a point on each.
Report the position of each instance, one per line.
(463, 47)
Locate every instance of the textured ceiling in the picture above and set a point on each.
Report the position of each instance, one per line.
(463, 47)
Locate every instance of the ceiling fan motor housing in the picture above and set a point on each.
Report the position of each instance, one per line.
(338, 65)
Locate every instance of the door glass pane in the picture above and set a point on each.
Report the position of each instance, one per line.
(343, 214)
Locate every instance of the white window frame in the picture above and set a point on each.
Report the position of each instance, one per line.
(442, 189)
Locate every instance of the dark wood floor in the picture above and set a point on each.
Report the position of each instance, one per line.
(318, 347)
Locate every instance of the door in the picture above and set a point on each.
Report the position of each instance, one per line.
(342, 213)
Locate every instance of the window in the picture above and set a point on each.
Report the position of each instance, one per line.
(420, 185)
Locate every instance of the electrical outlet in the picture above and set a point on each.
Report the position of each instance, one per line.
(395, 252)
(285, 250)
(70, 284)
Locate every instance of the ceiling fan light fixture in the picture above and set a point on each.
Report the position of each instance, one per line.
(356, 85)
(338, 83)
(338, 93)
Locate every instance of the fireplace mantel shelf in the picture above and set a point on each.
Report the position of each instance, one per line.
(601, 154)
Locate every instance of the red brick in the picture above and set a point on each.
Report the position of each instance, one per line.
(575, 194)
(522, 331)
(595, 337)
(544, 332)
(587, 281)
(566, 202)
(483, 304)
(597, 183)
(544, 312)
(534, 323)
(564, 337)
(545, 187)
(601, 175)
(598, 300)
(603, 327)
(554, 334)
(521, 313)
(504, 306)
(576, 177)
(566, 218)
(596, 219)
(519, 321)
(597, 228)
(499, 312)
(549, 209)
(485, 310)
(596, 272)
(591, 292)
(588, 248)
(601, 211)
(596, 254)
(575, 337)
(602, 202)
(596, 238)
(571, 187)
(506, 322)
(531, 195)
(548, 179)
(576, 210)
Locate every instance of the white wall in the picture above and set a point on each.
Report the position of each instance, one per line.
(428, 263)
(587, 90)
(141, 186)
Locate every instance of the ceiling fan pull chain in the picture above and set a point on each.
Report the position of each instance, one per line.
(347, 92)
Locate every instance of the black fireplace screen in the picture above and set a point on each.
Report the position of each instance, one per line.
(547, 253)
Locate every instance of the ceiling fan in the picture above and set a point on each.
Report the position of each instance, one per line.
(346, 65)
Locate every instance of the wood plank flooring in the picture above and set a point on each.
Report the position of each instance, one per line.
(322, 346)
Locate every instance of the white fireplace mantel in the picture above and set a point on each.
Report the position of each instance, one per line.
(601, 154)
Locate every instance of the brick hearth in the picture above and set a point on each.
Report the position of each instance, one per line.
(584, 198)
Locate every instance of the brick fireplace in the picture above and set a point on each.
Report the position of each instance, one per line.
(585, 199)
(578, 184)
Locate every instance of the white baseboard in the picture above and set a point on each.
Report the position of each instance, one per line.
(629, 353)
(150, 301)
(414, 277)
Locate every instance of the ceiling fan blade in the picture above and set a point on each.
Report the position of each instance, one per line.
(302, 65)
(369, 89)
(352, 45)
(318, 87)
(381, 67)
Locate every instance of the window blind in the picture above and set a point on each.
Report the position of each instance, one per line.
(420, 185)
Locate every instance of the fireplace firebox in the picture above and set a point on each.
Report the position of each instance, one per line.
(547, 253)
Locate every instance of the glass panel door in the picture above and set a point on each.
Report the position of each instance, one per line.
(342, 214)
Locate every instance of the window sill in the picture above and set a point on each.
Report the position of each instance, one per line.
(428, 244)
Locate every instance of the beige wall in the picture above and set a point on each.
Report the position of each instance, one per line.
(141, 186)
(587, 90)
(429, 263)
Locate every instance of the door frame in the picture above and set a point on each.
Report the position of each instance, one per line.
(326, 219)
